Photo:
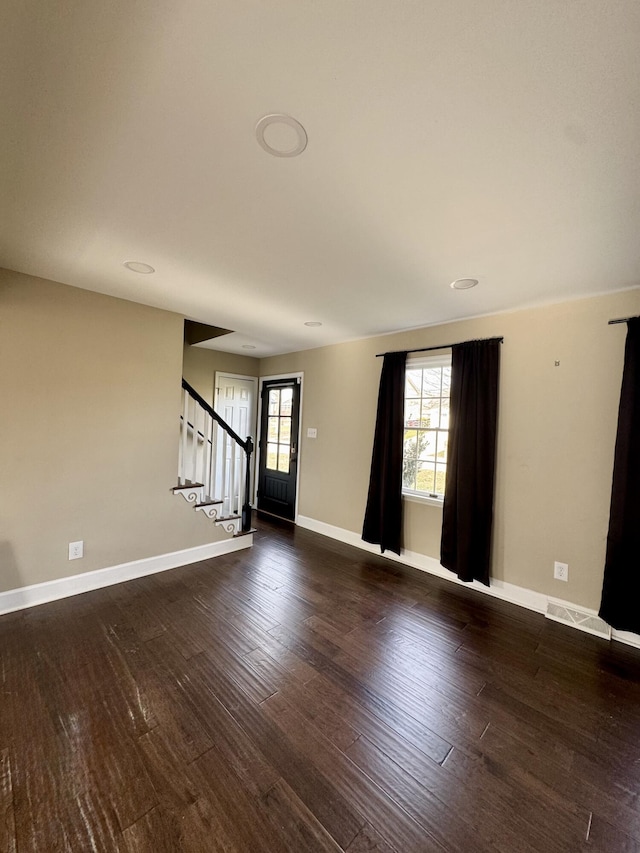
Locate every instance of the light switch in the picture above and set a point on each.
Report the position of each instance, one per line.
(312, 432)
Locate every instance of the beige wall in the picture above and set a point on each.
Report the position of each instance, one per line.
(88, 444)
(90, 390)
(555, 446)
(200, 366)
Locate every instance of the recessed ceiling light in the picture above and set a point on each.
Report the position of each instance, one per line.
(313, 323)
(281, 135)
(138, 266)
(463, 283)
(248, 346)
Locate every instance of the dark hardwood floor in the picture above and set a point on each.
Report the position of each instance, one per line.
(304, 696)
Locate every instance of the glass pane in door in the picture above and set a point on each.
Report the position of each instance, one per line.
(283, 458)
(285, 430)
(272, 429)
(286, 401)
(274, 401)
(272, 457)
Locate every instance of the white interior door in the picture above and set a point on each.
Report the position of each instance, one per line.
(235, 401)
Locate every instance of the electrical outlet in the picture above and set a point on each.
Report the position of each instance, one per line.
(312, 432)
(76, 550)
(561, 571)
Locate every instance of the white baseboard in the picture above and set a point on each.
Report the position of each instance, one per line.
(519, 595)
(41, 593)
(626, 637)
(505, 591)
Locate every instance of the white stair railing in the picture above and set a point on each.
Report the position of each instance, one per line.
(215, 459)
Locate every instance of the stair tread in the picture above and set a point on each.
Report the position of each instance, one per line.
(227, 517)
(245, 532)
(209, 503)
(187, 486)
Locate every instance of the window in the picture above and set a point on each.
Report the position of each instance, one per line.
(426, 426)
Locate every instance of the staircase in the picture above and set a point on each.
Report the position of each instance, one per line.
(214, 465)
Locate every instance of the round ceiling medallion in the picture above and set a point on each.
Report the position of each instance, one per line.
(281, 135)
(139, 266)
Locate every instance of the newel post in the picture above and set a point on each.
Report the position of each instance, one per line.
(246, 507)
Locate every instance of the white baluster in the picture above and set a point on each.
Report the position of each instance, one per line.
(182, 465)
(205, 451)
(194, 443)
(212, 464)
(242, 498)
(240, 485)
(180, 447)
(212, 460)
(206, 465)
(202, 444)
(196, 440)
(232, 478)
(225, 473)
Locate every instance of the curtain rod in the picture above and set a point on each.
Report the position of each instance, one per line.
(622, 320)
(442, 346)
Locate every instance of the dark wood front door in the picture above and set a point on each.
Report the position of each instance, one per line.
(278, 468)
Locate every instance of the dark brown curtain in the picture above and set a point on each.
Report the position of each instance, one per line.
(467, 516)
(383, 516)
(620, 605)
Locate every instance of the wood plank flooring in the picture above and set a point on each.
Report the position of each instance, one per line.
(304, 696)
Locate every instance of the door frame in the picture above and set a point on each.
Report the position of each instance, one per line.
(294, 374)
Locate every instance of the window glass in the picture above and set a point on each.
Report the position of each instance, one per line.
(413, 383)
(283, 458)
(272, 457)
(431, 382)
(426, 421)
(272, 429)
(285, 430)
(286, 401)
(274, 401)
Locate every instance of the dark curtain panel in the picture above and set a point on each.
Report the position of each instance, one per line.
(467, 515)
(620, 605)
(383, 516)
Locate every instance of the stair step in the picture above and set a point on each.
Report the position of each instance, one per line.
(191, 492)
(230, 523)
(245, 532)
(210, 508)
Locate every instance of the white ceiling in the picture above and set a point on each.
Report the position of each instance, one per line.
(447, 138)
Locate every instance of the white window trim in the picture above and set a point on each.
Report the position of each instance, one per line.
(441, 359)
(420, 498)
